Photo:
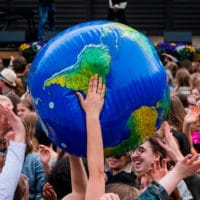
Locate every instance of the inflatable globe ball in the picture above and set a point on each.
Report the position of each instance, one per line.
(137, 96)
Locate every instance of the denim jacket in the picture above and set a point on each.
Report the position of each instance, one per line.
(34, 170)
(154, 192)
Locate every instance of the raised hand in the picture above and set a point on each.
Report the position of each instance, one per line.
(188, 166)
(157, 171)
(169, 144)
(93, 103)
(45, 154)
(4, 125)
(192, 115)
(15, 123)
(185, 167)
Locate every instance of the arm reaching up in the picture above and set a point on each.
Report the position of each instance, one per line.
(92, 105)
(162, 189)
(186, 167)
(78, 179)
(15, 155)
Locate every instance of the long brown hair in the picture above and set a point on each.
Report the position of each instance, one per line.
(182, 78)
(29, 120)
(176, 113)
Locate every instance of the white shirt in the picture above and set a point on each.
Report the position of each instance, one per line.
(11, 170)
(121, 5)
(184, 191)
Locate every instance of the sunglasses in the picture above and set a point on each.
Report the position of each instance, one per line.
(119, 156)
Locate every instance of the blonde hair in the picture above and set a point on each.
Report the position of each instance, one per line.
(125, 192)
(4, 100)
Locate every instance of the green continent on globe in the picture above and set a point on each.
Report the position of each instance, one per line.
(93, 59)
(142, 123)
(133, 35)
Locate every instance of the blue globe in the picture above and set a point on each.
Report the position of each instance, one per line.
(137, 95)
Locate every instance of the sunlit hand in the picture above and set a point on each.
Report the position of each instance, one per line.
(15, 123)
(169, 144)
(192, 115)
(4, 125)
(157, 171)
(94, 100)
(188, 166)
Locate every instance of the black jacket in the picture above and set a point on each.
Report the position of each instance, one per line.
(117, 1)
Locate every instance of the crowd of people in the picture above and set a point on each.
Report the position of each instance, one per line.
(165, 166)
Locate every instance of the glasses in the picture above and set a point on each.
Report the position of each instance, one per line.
(138, 150)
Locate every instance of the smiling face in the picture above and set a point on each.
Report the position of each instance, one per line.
(143, 157)
(118, 163)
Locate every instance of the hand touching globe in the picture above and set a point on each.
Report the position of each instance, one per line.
(137, 95)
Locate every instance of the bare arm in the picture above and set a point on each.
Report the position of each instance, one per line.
(15, 155)
(184, 168)
(92, 106)
(78, 179)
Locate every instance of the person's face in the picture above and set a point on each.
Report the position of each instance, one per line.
(118, 162)
(143, 157)
(195, 94)
(22, 110)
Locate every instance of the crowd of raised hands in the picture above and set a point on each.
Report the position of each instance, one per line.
(92, 185)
